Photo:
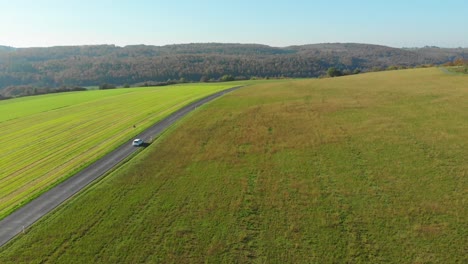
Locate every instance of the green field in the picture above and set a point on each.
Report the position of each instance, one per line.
(45, 139)
(369, 168)
(458, 69)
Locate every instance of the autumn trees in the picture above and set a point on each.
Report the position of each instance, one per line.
(108, 64)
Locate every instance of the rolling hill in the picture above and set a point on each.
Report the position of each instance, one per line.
(94, 65)
(368, 168)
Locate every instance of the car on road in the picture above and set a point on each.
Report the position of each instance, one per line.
(137, 142)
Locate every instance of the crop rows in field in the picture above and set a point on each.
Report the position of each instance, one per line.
(45, 139)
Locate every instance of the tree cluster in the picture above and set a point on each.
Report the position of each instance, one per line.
(106, 86)
(457, 62)
(27, 90)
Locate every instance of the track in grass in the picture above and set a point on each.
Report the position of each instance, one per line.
(45, 139)
(362, 169)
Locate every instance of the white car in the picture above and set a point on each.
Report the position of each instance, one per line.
(137, 142)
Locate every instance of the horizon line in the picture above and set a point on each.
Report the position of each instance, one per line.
(227, 43)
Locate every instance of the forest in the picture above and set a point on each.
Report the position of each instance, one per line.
(26, 71)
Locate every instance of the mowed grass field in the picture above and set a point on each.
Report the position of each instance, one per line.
(369, 168)
(45, 139)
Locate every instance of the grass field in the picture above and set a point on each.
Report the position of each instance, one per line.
(458, 69)
(45, 139)
(368, 168)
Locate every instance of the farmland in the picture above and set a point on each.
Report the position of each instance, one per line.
(369, 168)
(45, 139)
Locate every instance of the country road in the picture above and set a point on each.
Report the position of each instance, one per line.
(24, 217)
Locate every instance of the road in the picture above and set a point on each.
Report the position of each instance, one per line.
(24, 217)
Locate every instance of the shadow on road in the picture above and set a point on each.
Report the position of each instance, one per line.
(144, 145)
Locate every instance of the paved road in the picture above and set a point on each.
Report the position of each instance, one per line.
(30, 213)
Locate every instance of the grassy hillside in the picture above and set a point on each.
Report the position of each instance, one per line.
(45, 139)
(363, 169)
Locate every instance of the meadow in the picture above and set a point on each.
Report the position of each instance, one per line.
(369, 168)
(46, 139)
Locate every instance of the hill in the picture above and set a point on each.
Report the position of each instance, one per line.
(6, 48)
(94, 65)
(368, 168)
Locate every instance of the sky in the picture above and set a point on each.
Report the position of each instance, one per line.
(395, 23)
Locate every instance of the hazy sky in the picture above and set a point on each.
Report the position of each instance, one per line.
(405, 23)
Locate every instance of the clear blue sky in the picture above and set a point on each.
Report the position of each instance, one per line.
(396, 23)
